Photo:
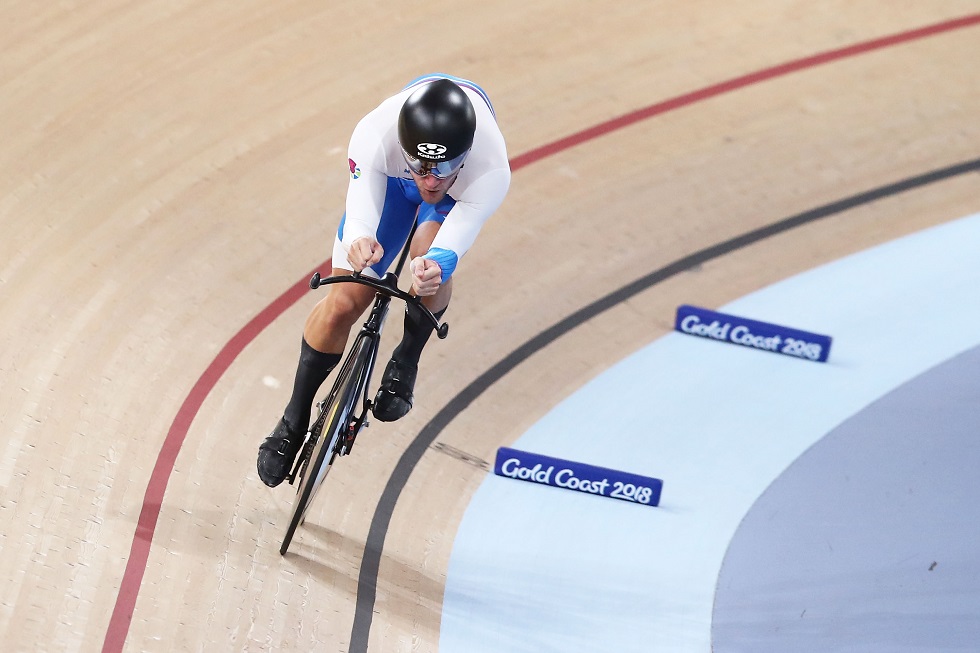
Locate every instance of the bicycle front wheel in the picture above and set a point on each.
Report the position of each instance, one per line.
(335, 419)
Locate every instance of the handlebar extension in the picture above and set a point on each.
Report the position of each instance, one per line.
(388, 286)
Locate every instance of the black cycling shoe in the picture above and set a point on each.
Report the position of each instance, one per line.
(277, 453)
(394, 398)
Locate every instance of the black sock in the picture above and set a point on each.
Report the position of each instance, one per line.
(416, 334)
(313, 369)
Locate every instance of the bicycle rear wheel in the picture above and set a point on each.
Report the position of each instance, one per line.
(336, 415)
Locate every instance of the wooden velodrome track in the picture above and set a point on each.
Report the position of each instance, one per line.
(171, 171)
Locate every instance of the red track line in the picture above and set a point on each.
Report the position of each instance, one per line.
(733, 84)
(122, 614)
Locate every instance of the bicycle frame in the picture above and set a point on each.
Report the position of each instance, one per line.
(350, 391)
(387, 288)
(372, 331)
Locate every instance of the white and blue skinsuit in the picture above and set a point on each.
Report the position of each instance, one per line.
(383, 201)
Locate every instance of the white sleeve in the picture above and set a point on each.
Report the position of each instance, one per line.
(368, 183)
(472, 209)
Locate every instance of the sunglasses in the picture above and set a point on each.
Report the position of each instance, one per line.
(438, 169)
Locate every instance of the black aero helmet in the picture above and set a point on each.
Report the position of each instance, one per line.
(435, 128)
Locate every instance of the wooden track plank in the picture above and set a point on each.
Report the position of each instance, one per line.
(159, 162)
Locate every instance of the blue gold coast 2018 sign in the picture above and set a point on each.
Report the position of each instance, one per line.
(581, 477)
(705, 323)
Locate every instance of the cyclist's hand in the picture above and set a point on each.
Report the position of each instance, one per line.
(426, 276)
(364, 252)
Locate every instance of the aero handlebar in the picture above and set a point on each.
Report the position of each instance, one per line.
(386, 286)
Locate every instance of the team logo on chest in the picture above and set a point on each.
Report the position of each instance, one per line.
(432, 150)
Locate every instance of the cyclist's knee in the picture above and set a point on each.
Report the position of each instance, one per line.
(341, 308)
(424, 235)
(345, 307)
(440, 300)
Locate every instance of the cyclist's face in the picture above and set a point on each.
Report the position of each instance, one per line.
(432, 189)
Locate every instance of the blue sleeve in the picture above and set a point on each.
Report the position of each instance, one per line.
(446, 258)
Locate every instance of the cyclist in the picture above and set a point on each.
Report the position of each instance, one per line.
(432, 153)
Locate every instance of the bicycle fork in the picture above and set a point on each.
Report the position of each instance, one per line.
(356, 423)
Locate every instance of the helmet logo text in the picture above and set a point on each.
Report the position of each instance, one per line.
(431, 150)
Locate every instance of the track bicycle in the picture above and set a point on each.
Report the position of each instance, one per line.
(343, 412)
